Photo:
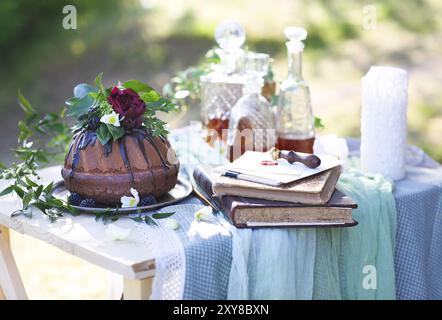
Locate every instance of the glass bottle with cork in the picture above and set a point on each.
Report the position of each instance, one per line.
(222, 88)
(294, 119)
(252, 121)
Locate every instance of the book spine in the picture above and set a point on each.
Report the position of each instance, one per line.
(204, 182)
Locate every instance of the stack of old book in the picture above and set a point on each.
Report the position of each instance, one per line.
(252, 193)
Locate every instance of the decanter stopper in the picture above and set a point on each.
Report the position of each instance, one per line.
(296, 36)
(230, 36)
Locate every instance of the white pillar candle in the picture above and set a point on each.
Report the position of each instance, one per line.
(384, 121)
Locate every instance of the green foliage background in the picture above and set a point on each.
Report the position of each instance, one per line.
(150, 40)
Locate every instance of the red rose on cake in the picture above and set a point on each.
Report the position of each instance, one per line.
(127, 103)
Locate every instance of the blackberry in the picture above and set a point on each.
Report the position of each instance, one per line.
(148, 201)
(92, 110)
(93, 123)
(74, 199)
(88, 203)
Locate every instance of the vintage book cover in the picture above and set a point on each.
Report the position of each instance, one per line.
(245, 212)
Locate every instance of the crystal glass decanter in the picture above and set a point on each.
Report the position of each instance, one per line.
(294, 119)
(222, 88)
(252, 121)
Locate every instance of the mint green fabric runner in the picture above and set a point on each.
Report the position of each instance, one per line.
(272, 264)
(358, 262)
(323, 263)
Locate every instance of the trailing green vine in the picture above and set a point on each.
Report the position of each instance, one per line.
(34, 151)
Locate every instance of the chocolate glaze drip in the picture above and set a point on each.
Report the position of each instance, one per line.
(108, 148)
(139, 137)
(148, 136)
(159, 178)
(85, 139)
(124, 157)
(76, 157)
(152, 142)
(69, 150)
(89, 138)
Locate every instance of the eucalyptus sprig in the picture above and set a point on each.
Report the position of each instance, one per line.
(150, 219)
(34, 151)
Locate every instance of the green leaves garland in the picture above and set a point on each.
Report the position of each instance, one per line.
(33, 153)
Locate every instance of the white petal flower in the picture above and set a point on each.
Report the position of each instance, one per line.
(135, 194)
(182, 94)
(116, 233)
(205, 214)
(128, 202)
(111, 118)
(172, 224)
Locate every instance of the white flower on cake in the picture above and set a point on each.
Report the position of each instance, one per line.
(111, 118)
(205, 214)
(128, 202)
(172, 224)
(116, 233)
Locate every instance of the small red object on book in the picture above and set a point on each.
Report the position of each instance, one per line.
(268, 163)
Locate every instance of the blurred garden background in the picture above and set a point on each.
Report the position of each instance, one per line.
(153, 39)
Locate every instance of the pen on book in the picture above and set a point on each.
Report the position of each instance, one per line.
(247, 177)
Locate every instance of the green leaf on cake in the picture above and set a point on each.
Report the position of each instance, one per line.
(116, 132)
(150, 96)
(83, 89)
(137, 86)
(99, 84)
(103, 134)
(81, 106)
(82, 100)
(71, 101)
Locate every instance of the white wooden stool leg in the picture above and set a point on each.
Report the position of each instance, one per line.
(10, 279)
(137, 289)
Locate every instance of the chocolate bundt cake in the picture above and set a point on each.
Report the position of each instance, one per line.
(119, 146)
(138, 160)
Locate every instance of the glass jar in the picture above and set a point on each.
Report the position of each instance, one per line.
(252, 122)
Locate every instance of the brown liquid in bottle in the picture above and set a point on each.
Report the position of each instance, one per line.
(231, 153)
(300, 145)
(218, 125)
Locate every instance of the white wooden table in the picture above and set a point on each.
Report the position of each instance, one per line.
(80, 236)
